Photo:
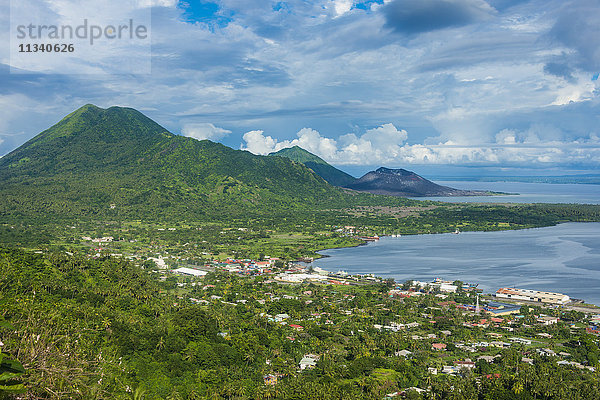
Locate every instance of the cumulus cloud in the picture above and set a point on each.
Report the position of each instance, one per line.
(258, 143)
(386, 145)
(342, 6)
(506, 136)
(309, 139)
(418, 16)
(203, 131)
(296, 64)
(529, 136)
(380, 143)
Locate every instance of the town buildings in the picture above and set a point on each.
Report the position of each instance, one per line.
(533, 295)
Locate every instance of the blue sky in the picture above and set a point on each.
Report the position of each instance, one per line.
(439, 86)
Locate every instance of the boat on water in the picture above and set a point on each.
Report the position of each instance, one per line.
(456, 232)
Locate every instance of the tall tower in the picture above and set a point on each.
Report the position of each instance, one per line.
(477, 306)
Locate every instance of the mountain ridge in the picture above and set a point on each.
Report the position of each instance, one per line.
(94, 158)
(325, 170)
(383, 181)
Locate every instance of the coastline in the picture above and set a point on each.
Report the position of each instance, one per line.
(528, 192)
(364, 242)
(592, 303)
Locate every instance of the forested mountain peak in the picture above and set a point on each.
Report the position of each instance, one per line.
(326, 171)
(298, 154)
(95, 157)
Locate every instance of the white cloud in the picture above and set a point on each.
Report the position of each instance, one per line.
(157, 3)
(377, 144)
(257, 143)
(309, 139)
(506, 136)
(531, 135)
(298, 65)
(98, 47)
(385, 145)
(342, 6)
(203, 131)
(573, 93)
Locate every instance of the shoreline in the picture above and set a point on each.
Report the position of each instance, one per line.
(365, 242)
(571, 306)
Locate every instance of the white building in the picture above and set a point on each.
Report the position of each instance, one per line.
(526, 342)
(533, 295)
(297, 278)
(281, 317)
(189, 271)
(308, 361)
(403, 353)
(547, 320)
(159, 261)
(448, 288)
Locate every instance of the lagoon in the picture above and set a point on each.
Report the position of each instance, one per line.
(563, 258)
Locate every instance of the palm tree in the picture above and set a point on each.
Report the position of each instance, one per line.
(161, 344)
(174, 395)
(228, 389)
(139, 393)
(240, 391)
(249, 358)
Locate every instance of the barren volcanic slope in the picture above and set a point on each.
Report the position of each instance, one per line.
(400, 182)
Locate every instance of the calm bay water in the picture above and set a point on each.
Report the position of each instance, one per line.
(528, 192)
(564, 258)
